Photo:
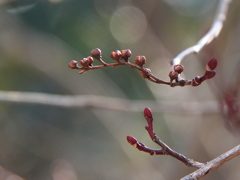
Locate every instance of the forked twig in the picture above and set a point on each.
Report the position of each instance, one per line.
(166, 150)
(203, 168)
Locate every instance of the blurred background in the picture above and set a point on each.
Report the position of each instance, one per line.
(44, 142)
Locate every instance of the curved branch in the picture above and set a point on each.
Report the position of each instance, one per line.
(212, 33)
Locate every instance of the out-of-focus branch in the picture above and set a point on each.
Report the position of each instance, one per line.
(5, 174)
(111, 103)
(214, 164)
(212, 33)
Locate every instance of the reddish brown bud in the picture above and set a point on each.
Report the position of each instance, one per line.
(90, 60)
(126, 54)
(73, 64)
(116, 55)
(178, 68)
(85, 62)
(211, 74)
(147, 112)
(173, 75)
(208, 75)
(197, 81)
(96, 53)
(146, 73)
(212, 64)
(131, 140)
(140, 60)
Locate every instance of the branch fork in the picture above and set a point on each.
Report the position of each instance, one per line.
(203, 168)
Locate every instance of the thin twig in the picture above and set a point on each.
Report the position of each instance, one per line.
(211, 34)
(214, 164)
(117, 104)
(166, 150)
(149, 75)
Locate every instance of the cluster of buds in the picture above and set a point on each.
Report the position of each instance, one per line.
(175, 74)
(139, 61)
(123, 54)
(122, 57)
(210, 72)
(87, 62)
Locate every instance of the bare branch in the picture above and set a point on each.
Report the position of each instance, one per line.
(214, 164)
(204, 168)
(166, 150)
(212, 33)
(117, 104)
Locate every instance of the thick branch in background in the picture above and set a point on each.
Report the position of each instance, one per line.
(214, 164)
(212, 33)
(111, 103)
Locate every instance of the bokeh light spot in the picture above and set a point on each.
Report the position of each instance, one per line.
(128, 24)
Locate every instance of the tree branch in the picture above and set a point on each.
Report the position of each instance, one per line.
(117, 104)
(214, 164)
(203, 168)
(212, 33)
(166, 150)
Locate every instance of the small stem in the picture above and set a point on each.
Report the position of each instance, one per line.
(102, 62)
(168, 151)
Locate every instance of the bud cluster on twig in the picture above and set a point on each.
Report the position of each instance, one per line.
(122, 58)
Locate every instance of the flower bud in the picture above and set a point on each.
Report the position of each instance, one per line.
(147, 112)
(96, 53)
(212, 64)
(208, 75)
(140, 60)
(116, 55)
(178, 68)
(211, 74)
(131, 140)
(73, 64)
(196, 81)
(173, 75)
(85, 62)
(126, 54)
(145, 74)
